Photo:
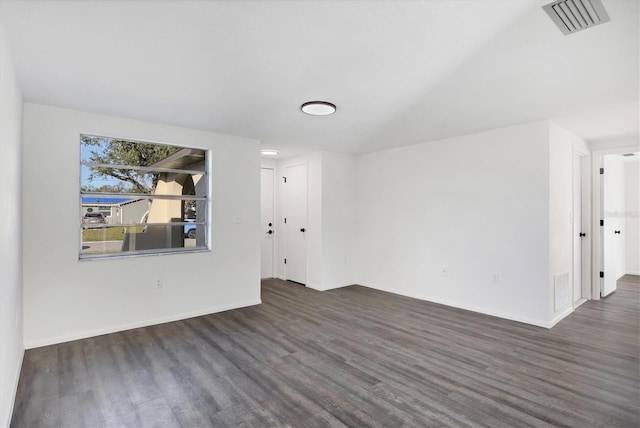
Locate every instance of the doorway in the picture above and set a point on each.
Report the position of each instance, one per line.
(617, 220)
(295, 223)
(267, 228)
(613, 207)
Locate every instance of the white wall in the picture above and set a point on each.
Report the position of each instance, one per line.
(66, 298)
(338, 219)
(268, 163)
(562, 145)
(475, 205)
(614, 145)
(314, 231)
(11, 336)
(632, 209)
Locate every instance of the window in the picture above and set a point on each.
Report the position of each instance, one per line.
(159, 192)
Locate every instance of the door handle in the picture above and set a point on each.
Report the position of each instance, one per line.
(302, 230)
(270, 232)
(582, 235)
(617, 232)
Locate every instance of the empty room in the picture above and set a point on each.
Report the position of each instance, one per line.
(310, 213)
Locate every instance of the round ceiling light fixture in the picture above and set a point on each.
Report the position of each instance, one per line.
(269, 152)
(318, 108)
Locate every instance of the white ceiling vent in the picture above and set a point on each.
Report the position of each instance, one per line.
(575, 15)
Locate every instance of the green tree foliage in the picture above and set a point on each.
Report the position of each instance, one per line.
(108, 188)
(123, 152)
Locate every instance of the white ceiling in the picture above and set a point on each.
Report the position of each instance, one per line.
(400, 72)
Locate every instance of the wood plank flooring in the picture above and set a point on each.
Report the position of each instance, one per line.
(348, 357)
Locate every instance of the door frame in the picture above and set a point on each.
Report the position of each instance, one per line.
(585, 217)
(273, 216)
(597, 248)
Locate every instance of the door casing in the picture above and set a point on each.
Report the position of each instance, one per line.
(267, 216)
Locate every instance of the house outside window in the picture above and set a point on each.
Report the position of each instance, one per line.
(139, 198)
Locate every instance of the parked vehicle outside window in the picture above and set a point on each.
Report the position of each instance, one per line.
(190, 229)
(93, 218)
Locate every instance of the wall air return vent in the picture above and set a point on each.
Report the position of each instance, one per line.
(575, 15)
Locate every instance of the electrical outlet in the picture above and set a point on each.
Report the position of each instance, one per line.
(444, 272)
(495, 279)
(159, 283)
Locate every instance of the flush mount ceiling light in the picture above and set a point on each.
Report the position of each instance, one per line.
(269, 152)
(318, 108)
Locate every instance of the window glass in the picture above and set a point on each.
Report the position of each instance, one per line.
(141, 198)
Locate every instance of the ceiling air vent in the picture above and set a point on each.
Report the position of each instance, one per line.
(575, 15)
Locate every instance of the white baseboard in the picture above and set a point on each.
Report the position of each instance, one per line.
(561, 316)
(16, 380)
(633, 272)
(511, 317)
(329, 287)
(139, 324)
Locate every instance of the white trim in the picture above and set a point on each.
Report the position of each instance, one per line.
(314, 287)
(596, 252)
(559, 317)
(587, 196)
(510, 317)
(16, 380)
(123, 327)
(633, 272)
(274, 256)
(329, 287)
(584, 165)
(579, 303)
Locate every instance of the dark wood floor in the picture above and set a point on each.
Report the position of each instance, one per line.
(348, 357)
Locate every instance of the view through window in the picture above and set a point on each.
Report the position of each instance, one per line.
(141, 198)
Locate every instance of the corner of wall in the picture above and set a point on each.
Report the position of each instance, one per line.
(456, 204)
(11, 280)
(562, 145)
(228, 275)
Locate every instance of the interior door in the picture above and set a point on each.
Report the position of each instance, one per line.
(613, 209)
(295, 217)
(266, 222)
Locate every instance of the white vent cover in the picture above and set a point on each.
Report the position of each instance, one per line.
(562, 290)
(575, 15)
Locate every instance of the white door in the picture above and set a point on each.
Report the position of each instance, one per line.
(295, 217)
(266, 222)
(613, 209)
(578, 235)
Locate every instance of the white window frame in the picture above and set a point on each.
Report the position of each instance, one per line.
(203, 224)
